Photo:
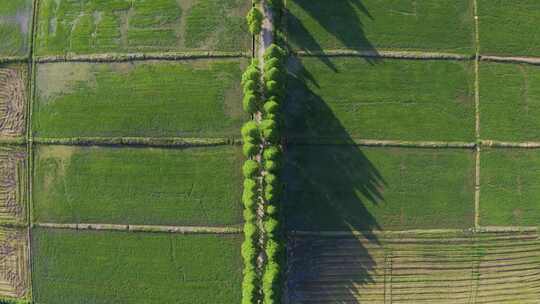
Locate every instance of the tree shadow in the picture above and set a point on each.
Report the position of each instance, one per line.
(346, 26)
(329, 186)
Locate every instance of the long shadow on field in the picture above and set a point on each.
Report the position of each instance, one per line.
(339, 19)
(328, 188)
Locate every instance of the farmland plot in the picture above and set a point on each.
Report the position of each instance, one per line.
(433, 25)
(345, 187)
(505, 27)
(13, 262)
(189, 98)
(120, 267)
(12, 184)
(424, 267)
(15, 23)
(510, 102)
(510, 187)
(95, 26)
(346, 98)
(12, 100)
(187, 186)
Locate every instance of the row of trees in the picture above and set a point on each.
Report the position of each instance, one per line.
(271, 126)
(264, 91)
(251, 82)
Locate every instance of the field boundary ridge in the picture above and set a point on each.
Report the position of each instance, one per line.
(138, 141)
(510, 59)
(141, 228)
(481, 229)
(122, 57)
(386, 54)
(382, 143)
(426, 55)
(14, 59)
(414, 144)
(509, 144)
(16, 140)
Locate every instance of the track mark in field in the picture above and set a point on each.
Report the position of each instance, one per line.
(414, 11)
(525, 88)
(12, 102)
(13, 263)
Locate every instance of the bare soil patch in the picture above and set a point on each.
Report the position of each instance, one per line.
(13, 263)
(12, 102)
(12, 168)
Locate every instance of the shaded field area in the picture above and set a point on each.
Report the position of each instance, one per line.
(187, 186)
(13, 100)
(95, 26)
(15, 24)
(189, 98)
(392, 99)
(510, 101)
(344, 187)
(424, 267)
(14, 272)
(505, 27)
(13, 182)
(119, 267)
(510, 187)
(433, 25)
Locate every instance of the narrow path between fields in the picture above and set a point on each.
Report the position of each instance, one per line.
(141, 228)
(477, 118)
(267, 33)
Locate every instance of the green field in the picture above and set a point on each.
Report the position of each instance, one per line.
(97, 26)
(431, 25)
(186, 186)
(15, 24)
(392, 99)
(118, 267)
(344, 187)
(507, 27)
(510, 187)
(189, 98)
(510, 102)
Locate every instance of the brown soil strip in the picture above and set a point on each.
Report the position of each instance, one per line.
(143, 228)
